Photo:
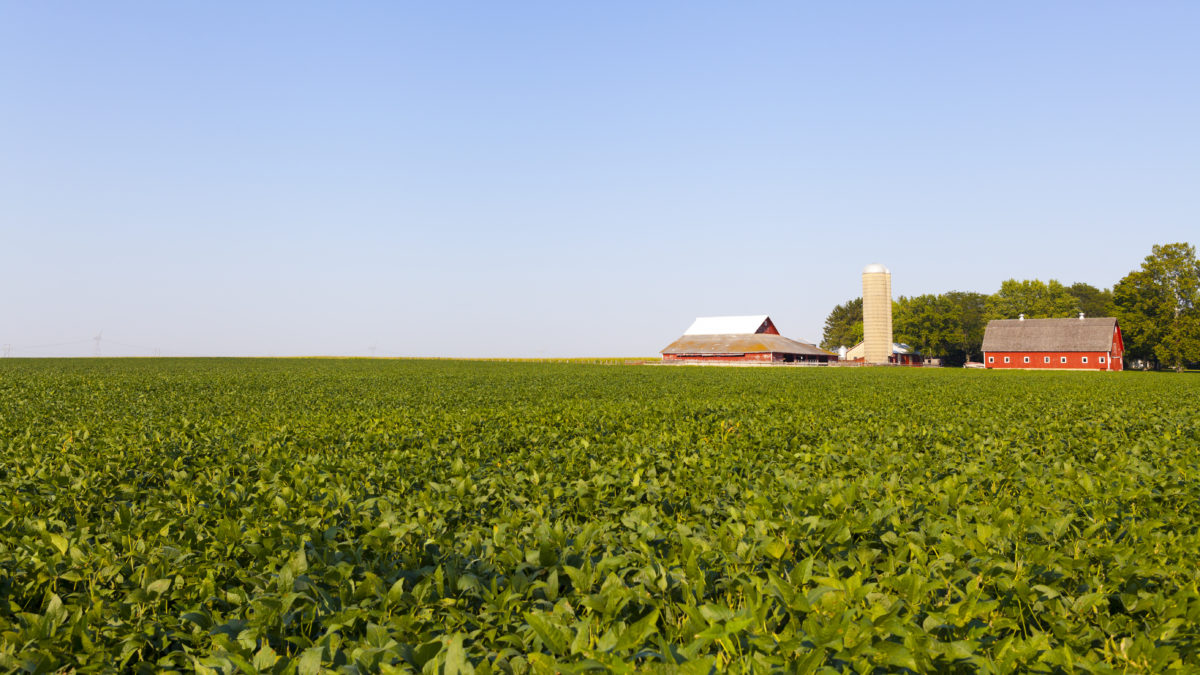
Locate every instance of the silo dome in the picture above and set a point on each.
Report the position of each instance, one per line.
(875, 268)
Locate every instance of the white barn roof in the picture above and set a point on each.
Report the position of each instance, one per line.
(726, 325)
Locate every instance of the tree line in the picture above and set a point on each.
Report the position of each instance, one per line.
(1157, 307)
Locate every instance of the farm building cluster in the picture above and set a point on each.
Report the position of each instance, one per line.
(744, 339)
(1062, 344)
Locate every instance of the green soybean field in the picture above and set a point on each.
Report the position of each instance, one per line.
(358, 516)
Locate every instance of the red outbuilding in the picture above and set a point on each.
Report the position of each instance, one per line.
(1057, 344)
(741, 339)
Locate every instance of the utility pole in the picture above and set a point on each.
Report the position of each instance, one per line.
(7, 350)
(97, 341)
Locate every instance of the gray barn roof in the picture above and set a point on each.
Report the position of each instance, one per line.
(1049, 335)
(742, 344)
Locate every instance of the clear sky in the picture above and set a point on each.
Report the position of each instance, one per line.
(567, 179)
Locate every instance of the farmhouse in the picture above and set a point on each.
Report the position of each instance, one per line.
(1063, 344)
(741, 339)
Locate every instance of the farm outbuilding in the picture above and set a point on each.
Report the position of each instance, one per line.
(1059, 344)
(902, 354)
(741, 339)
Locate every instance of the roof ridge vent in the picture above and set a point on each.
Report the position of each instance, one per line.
(1020, 317)
(1081, 316)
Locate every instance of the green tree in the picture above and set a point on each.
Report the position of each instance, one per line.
(949, 326)
(843, 326)
(1158, 307)
(971, 311)
(1138, 302)
(1090, 300)
(924, 322)
(1033, 298)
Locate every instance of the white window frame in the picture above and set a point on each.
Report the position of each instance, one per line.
(1026, 359)
(1006, 359)
(1045, 359)
(991, 359)
(1062, 359)
(1084, 360)
(1101, 359)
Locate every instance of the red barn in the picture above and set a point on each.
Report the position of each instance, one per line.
(1061, 344)
(741, 339)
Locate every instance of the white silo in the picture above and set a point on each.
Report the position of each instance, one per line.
(877, 313)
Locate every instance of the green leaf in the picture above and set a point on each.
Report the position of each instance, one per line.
(425, 653)
(775, 548)
(897, 655)
(542, 664)
(298, 563)
(265, 658)
(396, 593)
(699, 666)
(1087, 602)
(456, 658)
(1046, 591)
(636, 633)
(199, 618)
(805, 570)
(310, 661)
(555, 639)
(59, 543)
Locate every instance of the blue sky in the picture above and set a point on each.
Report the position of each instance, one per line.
(560, 179)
